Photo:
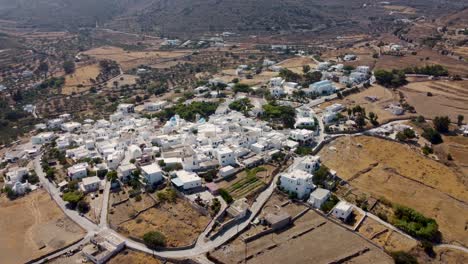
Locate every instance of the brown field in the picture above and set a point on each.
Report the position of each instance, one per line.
(449, 98)
(364, 55)
(133, 257)
(380, 234)
(461, 51)
(407, 178)
(295, 64)
(385, 96)
(179, 221)
(128, 79)
(132, 59)
(454, 66)
(32, 226)
(82, 77)
(400, 9)
(457, 147)
(326, 243)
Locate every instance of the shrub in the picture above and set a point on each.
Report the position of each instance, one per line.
(329, 204)
(226, 196)
(82, 206)
(414, 223)
(432, 136)
(154, 239)
(441, 123)
(167, 195)
(401, 257)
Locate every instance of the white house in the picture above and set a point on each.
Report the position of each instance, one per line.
(225, 156)
(322, 87)
(70, 126)
(334, 108)
(238, 209)
(155, 106)
(134, 152)
(151, 173)
(323, 66)
(90, 184)
(276, 81)
(308, 164)
(78, 171)
(125, 171)
(186, 180)
(277, 91)
(328, 117)
(349, 57)
(396, 109)
(342, 210)
(126, 108)
(227, 171)
(302, 135)
(297, 181)
(318, 197)
(304, 122)
(42, 138)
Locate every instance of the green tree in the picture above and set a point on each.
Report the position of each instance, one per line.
(43, 68)
(432, 136)
(460, 119)
(321, 175)
(242, 105)
(112, 176)
(82, 206)
(305, 69)
(72, 197)
(441, 123)
(401, 257)
(69, 67)
(154, 239)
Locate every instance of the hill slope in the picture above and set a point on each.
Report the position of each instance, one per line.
(194, 16)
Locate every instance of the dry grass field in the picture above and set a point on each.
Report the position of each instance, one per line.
(457, 147)
(81, 77)
(178, 221)
(422, 58)
(408, 178)
(133, 257)
(385, 97)
(380, 234)
(132, 59)
(449, 98)
(327, 242)
(32, 226)
(400, 9)
(295, 64)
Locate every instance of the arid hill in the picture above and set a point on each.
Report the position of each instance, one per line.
(185, 17)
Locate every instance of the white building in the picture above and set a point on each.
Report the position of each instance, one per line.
(342, 210)
(396, 109)
(225, 156)
(125, 171)
(334, 108)
(308, 164)
(297, 181)
(322, 87)
(104, 246)
(151, 174)
(304, 122)
(42, 138)
(238, 209)
(126, 108)
(78, 171)
(90, 184)
(186, 180)
(155, 106)
(70, 126)
(318, 197)
(302, 135)
(349, 57)
(227, 171)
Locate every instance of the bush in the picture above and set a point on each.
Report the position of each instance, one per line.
(82, 207)
(394, 78)
(167, 195)
(401, 257)
(72, 197)
(303, 151)
(154, 239)
(415, 224)
(432, 136)
(226, 196)
(441, 123)
(329, 204)
(427, 150)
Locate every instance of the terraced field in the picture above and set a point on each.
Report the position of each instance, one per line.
(246, 185)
